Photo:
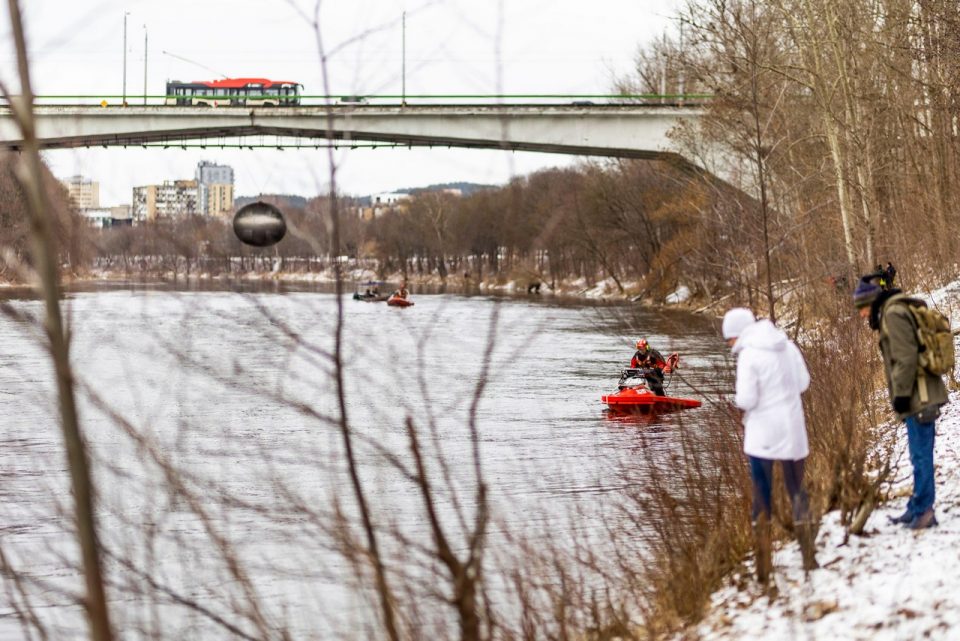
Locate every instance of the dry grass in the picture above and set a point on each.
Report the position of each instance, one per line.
(690, 504)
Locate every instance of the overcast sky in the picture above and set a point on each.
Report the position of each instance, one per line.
(453, 46)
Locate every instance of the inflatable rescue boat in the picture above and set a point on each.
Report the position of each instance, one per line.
(634, 394)
(396, 301)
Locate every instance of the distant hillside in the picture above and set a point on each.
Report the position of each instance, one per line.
(281, 200)
(465, 188)
(299, 202)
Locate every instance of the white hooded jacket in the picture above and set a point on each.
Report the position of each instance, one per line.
(771, 375)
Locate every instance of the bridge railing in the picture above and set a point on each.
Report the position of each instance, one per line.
(360, 100)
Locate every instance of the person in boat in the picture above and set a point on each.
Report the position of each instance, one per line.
(402, 292)
(651, 360)
(771, 376)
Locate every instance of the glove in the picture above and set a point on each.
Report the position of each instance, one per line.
(901, 404)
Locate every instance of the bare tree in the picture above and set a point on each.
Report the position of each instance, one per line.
(44, 259)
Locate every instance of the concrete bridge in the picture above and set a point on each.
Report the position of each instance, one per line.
(613, 130)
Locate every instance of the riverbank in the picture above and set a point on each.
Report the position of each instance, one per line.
(604, 290)
(889, 584)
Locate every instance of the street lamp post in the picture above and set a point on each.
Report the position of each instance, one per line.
(403, 63)
(144, 64)
(125, 14)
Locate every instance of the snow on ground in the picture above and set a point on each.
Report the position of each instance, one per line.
(890, 584)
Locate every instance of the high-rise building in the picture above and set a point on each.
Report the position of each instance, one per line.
(208, 173)
(214, 188)
(83, 192)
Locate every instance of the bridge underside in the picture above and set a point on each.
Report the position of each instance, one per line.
(612, 131)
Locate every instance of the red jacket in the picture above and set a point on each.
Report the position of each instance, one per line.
(649, 358)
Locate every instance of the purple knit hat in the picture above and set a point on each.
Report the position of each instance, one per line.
(866, 292)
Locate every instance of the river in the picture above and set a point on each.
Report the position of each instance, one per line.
(207, 418)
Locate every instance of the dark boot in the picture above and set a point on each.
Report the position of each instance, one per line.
(923, 521)
(903, 519)
(805, 537)
(761, 537)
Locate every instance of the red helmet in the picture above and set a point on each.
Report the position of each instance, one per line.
(642, 344)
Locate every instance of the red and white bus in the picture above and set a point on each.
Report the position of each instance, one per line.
(233, 92)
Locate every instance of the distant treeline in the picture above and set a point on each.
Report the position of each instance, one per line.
(645, 226)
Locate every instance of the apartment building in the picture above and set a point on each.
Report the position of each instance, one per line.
(216, 199)
(171, 199)
(210, 193)
(83, 192)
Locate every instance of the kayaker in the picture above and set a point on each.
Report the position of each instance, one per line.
(651, 360)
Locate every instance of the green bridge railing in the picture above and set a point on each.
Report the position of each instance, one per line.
(133, 100)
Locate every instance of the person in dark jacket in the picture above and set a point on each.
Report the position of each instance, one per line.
(889, 274)
(880, 276)
(650, 359)
(888, 314)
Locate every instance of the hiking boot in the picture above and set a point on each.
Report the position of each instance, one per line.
(808, 548)
(761, 535)
(903, 519)
(923, 521)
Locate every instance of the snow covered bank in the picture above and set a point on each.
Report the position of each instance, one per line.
(890, 584)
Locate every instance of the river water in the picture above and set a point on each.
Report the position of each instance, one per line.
(208, 418)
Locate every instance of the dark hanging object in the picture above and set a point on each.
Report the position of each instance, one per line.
(259, 224)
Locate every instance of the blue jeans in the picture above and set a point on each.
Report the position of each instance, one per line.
(920, 437)
(761, 473)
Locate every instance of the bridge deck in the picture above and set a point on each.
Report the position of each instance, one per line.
(622, 130)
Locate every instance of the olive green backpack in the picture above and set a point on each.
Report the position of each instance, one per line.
(934, 337)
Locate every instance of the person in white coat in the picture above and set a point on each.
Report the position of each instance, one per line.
(771, 376)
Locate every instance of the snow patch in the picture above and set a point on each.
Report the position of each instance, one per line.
(602, 289)
(680, 295)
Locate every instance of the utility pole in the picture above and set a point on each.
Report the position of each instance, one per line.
(144, 64)
(403, 63)
(663, 76)
(125, 14)
(681, 57)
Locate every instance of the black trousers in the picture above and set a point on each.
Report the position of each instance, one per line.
(761, 473)
(655, 380)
